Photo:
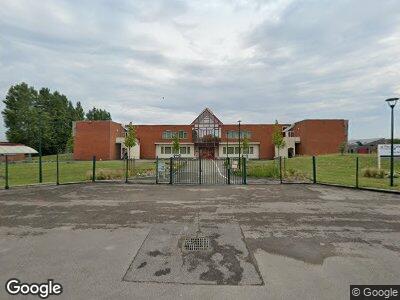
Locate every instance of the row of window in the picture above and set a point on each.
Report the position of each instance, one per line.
(169, 150)
(235, 134)
(235, 150)
(168, 134)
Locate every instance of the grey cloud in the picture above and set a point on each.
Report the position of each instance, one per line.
(313, 59)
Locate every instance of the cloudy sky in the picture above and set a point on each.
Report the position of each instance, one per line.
(254, 60)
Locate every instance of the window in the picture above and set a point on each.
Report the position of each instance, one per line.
(182, 134)
(167, 150)
(235, 134)
(162, 149)
(188, 150)
(251, 150)
(167, 134)
(182, 150)
(230, 150)
(224, 150)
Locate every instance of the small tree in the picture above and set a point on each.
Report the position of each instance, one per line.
(277, 137)
(246, 146)
(342, 147)
(130, 138)
(175, 144)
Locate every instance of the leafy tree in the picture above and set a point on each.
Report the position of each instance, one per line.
(79, 112)
(245, 145)
(175, 144)
(277, 137)
(21, 115)
(98, 114)
(130, 138)
(43, 117)
(342, 147)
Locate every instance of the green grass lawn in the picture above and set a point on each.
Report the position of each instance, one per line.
(336, 169)
(23, 173)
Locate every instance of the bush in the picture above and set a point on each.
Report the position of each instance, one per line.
(106, 174)
(265, 170)
(373, 173)
(294, 174)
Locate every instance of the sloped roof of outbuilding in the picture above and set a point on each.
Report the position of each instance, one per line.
(16, 149)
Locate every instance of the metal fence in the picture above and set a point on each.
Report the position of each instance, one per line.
(201, 171)
(360, 171)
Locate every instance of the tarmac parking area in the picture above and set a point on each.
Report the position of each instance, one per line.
(297, 241)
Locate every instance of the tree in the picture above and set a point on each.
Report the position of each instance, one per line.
(130, 138)
(98, 114)
(277, 137)
(21, 115)
(342, 147)
(79, 112)
(175, 144)
(42, 118)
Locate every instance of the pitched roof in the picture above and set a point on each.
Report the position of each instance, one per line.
(207, 111)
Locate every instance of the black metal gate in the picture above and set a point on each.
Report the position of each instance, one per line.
(203, 171)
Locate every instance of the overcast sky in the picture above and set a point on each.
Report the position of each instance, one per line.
(254, 60)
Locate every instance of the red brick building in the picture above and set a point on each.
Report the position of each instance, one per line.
(208, 137)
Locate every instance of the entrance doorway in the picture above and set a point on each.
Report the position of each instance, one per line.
(207, 152)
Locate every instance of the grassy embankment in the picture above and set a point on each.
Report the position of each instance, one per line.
(23, 173)
(336, 169)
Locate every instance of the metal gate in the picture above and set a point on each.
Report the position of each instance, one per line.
(202, 171)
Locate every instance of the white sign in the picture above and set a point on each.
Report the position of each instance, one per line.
(161, 167)
(384, 150)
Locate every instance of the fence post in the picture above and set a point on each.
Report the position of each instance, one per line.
(40, 168)
(94, 169)
(199, 169)
(170, 169)
(280, 168)
(7, 187)
(244, 171)
(57, 170)
(229, 170)
(156, 169)
(314, 170)
(357, 172)
(126, 169)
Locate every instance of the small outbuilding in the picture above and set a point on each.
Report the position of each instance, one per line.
(15, 152)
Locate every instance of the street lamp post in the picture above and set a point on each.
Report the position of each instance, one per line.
(227, 145)
(239, 142)
(392, 103)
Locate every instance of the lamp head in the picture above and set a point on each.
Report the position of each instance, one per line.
(392, 102)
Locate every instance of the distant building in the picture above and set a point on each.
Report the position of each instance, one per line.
(14, 151)
(365, 146)
(208, 137)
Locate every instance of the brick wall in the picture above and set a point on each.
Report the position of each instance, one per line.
(96, 138)
(261, 133)
(320, 136)
(148, 135)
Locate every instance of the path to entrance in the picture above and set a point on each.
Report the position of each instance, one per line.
(299, 241)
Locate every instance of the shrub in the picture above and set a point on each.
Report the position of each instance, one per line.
(265, 170)
(294, 174)
(373, 173)
(106, 174)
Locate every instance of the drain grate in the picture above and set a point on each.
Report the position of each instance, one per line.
(196, 244)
